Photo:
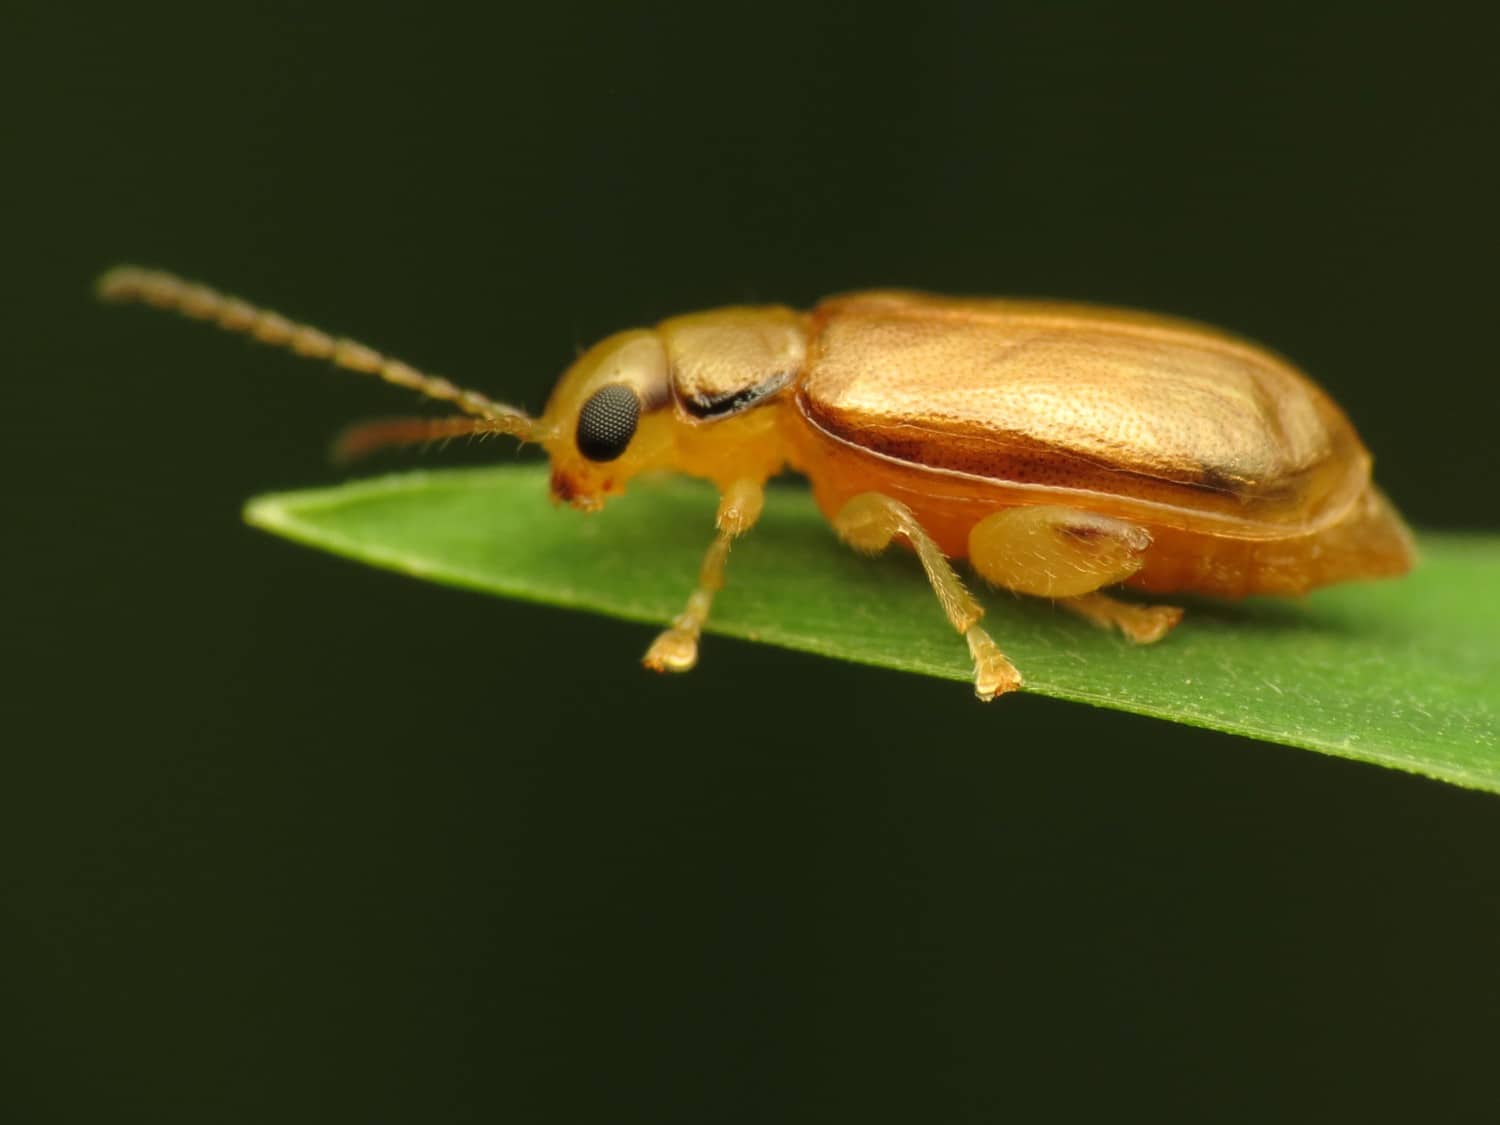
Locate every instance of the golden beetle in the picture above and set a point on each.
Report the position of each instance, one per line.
(1060, 448)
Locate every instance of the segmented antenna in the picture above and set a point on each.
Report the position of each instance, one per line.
(165, 291)
(363, 438)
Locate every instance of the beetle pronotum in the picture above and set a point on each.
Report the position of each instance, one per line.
(1060, 448)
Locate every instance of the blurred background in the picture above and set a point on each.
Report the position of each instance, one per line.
(262, 857)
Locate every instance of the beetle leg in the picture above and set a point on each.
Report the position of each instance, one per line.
(676, 648)
(869, 522)
(1140, 624)
(1068, 555)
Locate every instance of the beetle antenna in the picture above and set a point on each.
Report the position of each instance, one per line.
(364, 438)
(165, 291)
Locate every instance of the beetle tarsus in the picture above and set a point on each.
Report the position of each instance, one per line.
(1139, 624)
(993, 673)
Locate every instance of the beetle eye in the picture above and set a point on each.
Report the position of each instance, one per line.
(607, 422)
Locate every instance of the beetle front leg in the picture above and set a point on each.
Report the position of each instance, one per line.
(676, 649)
(1068, 555)
(869, 522)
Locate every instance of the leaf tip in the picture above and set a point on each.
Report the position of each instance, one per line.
(266, 512)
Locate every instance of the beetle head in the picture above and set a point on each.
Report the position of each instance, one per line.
(609, 418)
(674, 397)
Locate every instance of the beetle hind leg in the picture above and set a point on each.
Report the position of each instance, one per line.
(869, 522)
(1139, 624)
(1068, 555)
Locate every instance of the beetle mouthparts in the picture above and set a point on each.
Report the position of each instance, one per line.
(565, 490)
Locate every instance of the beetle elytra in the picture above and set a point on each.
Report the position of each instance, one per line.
(1059, 448)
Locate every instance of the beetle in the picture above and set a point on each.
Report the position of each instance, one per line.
(1060, 448)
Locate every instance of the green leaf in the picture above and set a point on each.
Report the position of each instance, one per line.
(1403, 674)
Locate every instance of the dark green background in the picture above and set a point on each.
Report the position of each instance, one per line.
(286, 840)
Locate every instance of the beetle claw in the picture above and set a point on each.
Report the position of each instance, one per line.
(675, 650)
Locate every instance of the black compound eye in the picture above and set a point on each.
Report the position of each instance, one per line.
(607, 422)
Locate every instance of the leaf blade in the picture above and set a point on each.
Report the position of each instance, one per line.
(1402, 674)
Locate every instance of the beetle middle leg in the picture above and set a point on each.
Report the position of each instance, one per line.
(676, 648)
(869, 522)
(1068, 555)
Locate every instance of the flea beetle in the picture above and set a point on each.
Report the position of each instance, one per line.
(1060, 448)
